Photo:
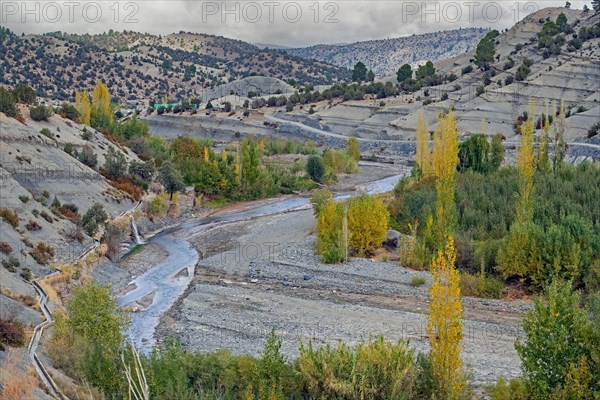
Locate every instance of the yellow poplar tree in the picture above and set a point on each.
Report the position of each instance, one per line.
(101, 115)
(423, 155)
(526, 166)
(444, 324)
(354, 148)
(444, 161)
(83, 106)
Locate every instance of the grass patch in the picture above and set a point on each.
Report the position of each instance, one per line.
(135, 249)
(417, 281)
(481, 286)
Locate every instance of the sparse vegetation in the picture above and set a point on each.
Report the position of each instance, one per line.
(12, 333)
(10, 217)
(42, 253)
(417, 281)
(40, 113)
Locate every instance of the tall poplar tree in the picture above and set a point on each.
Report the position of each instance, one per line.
(101, 115)
(83, 106)
(444, 325)
(526, 167)
(444, 161)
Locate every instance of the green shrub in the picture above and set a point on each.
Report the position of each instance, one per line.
(24, 199)
(40, 113)
(481, 286)
(319, 198)
(377, 369)
(70, 149)
(337, 161)
(512, 390)
(522, 72)
(46, 132)
(87, 156)
(26, 274)
(8, 103)
(115, 164)
(87, 134)
(11, 264)
(69, 111)
(417, 281)
(557, 338)
(24, 93)
(315, 168)
(156, 207)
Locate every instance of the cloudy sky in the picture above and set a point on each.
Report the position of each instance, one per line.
(288, 23)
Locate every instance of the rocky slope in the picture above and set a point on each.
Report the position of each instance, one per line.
(385, 56)
(141, 66)
(572, 76)
(34, 169)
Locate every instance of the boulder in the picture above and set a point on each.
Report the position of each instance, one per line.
(392, 239)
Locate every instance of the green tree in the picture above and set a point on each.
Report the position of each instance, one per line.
(558, 337)
(8, 104)
(562, 22)
(425, 71)
(560, 146)
(250, 167)
(370, 76)
(142, 170)
(404, 73)
(497, 152)
(133, 128)
(93, 218)
(23, 93)
(485, 52)
(315, 168)
(359, 73)
(596, 5)
(93, 316)
(270, 369)
(115, 164)
(171, 179)
(526, 167)
(474, 154)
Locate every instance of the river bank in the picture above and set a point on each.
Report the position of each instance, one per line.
(223, 281)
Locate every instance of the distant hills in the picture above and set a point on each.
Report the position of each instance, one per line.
(385, 56)
(143, 66)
